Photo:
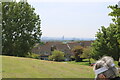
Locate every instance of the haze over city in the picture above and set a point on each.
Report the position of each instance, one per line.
(73, 18)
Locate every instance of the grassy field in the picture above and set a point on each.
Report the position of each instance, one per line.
(85, 62)
(18, 67)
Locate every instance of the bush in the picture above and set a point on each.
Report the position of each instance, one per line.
(33, 55)
(57, 56)
(72, 58)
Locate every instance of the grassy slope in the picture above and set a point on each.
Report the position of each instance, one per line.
(14, 67)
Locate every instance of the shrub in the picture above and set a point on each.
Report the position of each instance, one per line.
(57, 56)
(33, 55)
(72, 58)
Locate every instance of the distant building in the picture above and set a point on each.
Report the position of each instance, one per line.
(86, 43)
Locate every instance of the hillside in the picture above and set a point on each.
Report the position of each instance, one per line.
(18, 67)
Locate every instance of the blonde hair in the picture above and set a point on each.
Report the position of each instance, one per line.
(107, 61)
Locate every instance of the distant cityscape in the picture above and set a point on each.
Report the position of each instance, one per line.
(65, 38)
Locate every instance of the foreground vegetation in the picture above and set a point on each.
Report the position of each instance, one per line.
(20, 28)
(18, 67)
(108, 38)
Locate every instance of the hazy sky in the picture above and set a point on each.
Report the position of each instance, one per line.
(72, 18)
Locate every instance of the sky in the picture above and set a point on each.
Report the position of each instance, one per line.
(72, 18)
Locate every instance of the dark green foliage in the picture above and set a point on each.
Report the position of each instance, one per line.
(77, 50)
(72, 58)
(116, 19)
(106, 43)
(57, 56)
(21, 28)
(108, 39)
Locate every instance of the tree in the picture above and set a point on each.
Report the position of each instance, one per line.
(107, 41)
(77, 50)
(116, 19)
(20, 28)
(87, 53)
(57, 56)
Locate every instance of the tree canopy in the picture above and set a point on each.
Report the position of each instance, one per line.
(108, 39)
(78, 51)
(20, 28)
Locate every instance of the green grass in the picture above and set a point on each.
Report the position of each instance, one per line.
(85, 62)
(18, 67)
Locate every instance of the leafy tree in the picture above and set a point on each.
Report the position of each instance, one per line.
(77, 50)
(107, 41)
(57, 56)
(21, 28)
(116, 19)
(87, 53)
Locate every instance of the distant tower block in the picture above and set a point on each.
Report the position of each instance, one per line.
(119, 4)
(63, 38)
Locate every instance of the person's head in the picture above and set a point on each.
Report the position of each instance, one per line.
(105, 68)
